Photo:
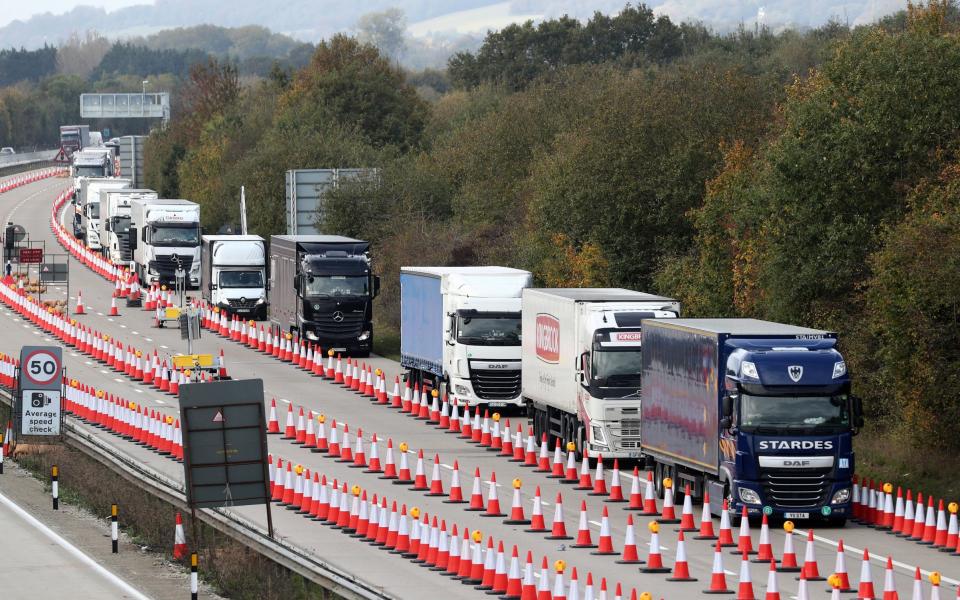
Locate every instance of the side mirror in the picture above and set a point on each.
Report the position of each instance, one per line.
(857, 403)
(212, 286)
(296, 283)
(727, 407)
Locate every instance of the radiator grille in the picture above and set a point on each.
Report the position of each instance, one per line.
(789, 488)
(495, 385)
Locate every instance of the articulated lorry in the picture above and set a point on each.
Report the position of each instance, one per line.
(115, 222)
(92, 163)
(460, 331)
(88, 199)
(233, 274)
(74, 138)
(322, 287)
(581, 365)
(165, 236)
(756, 413)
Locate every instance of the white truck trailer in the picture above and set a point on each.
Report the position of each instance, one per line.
(165, 235)
(582, 365)
(233, 274)
(460, 329)
(89, 201)
(115, 222)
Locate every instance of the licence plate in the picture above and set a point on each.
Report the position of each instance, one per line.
(496, 404)
(339, 349)
(243, 310)
(796, 515)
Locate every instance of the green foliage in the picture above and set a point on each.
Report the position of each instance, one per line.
(125, 57)
(27, 65)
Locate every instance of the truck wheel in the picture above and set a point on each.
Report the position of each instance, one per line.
(658, 479)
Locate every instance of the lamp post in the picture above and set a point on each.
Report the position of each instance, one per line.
(143, 97)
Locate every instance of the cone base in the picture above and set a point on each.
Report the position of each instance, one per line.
(739, 553)
(583, 546)
(559, 537)
(373, 471)
(718, 592)
(454, 501)
(765, 561)
(387, 477)
(818, 578)
(843, 591)
(355, 466)
(599, 553)
(618, 500)
(403, 482)
(544, 530)
(705, 537)
(471, 509)
(667, 521)
(598, 493)
(434, 494)
(584, 488)
(655, 570)
(682, 579)
(268, 433)
(493, 515)
(516, 522)
(629, 562)
(781, 569)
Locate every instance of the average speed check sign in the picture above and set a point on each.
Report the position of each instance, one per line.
(41, 368)
(40, 410)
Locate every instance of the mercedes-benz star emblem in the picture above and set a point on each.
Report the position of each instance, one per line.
(338, 316)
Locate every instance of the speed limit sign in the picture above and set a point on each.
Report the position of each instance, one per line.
(40, 367)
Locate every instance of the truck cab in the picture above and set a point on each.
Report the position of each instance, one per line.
(164, 236)
(787, 428)
(89, 200)
(115, 222)
(233, 274)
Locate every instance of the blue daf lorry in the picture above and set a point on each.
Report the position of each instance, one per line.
(754, 412)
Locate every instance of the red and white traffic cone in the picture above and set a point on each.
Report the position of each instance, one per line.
(616, 489)
(419, 476)
(558, 530)
(517, 516)
(629, 556)
(788, 564)
(840, 570)
(745, 584)
(179, 539)
(706, 521)
(918, 585)
(584, 540)
(636, 498)
(113, 308)
(654, 557)
(686, 513)
(543, 463)
(80, 310)
(390, 468)
(773, 591)
(605, 542)
(718, 577)
(290, 431)
(537, 523)
(810, 568)
(374, 465)
(667, 512)
(585, 481)
(476, 497)
(436, 485)
(906, 524)
(493, 502)
(273, 425)
(681, 570)
(764, 548)
(456, 490)
(865, 589)
(889, 587)
(649, 498)
(744, 544)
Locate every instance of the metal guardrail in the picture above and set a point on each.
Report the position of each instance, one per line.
(242, 530)
(12, 160)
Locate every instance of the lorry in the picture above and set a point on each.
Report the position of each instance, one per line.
(115, 222)
(88, 199)
(233, 274)
(91, 163)
(581, 365)
(74, 138)
(322, 287)
(460, 331)
(164, 236)
(756, 413)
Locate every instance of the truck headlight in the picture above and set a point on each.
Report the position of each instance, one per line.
(841, 496)
(152, 271)
(839, 369)
(311, 335)
(364, 336)
(748, 496)
(749, 369)
(598, 435)
(262, 300)
(461, 390)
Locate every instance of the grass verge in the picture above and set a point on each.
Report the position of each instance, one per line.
(882, 456)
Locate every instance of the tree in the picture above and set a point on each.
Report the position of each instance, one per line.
(385, 30)
(81, 55)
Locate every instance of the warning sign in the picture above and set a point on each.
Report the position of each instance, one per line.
(218, 418)
(40, 412)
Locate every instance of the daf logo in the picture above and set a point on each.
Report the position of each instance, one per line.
(338, 316)
(795, 372)
(497, 366)
(796, 463)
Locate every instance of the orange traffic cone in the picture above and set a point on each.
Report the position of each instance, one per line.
(667, 512)
(179, 539)
(764, 549)
(654, 558)
(744, 544)
(517, 517)
(493, 503)
(630, 556)
(866, 578)
(788, 564)
(840, 570)
(810, 569)
(718, 577)
(79, 310)
(476, 498)
(113, 308)
(706, 521)
(726, 532)
(745, 584)
(559, 528)
(584, 540)
(686, 514)
(681, 570)
(605, 543)
(456, 490)
(537, 524)
(773, 592)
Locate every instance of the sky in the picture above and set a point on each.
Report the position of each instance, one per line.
(11, 10)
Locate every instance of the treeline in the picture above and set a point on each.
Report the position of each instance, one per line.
(804, 177)
(27, 65)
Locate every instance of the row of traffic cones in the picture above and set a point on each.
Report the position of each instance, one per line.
(933, 524)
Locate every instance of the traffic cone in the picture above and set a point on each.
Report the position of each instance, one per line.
(952, 531)
(556, 470)
(654, 558)
(810, 569)
(436, 485)
(543, 462)
(455, 425)
(514, 586)
(681, 570)
(559, 593)
(889, 587)
(630, 556)
(616, 489)
(559, 529)
(456, 490)
(179, 539)
(79, 309)
(390, 468)
(419, 477)
(764, 549)
(918, 585)
(359, 456)
(374, 464)
(940, 535)
(585, 482)
(300, 435)
(518, 446)
(333, 446)
(543, 586)
(290, 432)
(686, 513)
(493, 503)
(865, 589)
(453, 563)
(113, 308)
(517, 517)
(706, 521)
(802, 592)
(537, 523)
(744, 544)
(636, 498)
(840, 570)
(916, 531)
(667, 512)
(898, 512)
(930, 525)
(718, 577)
(403, 476)
(773, 592)
(745, 584)
(649, 500)
(788, 564)
(323, 444)
(476, 498)
(906, 524)
(528, 589)
(584, 540)
(570, 474)
(573, 591)
(605, 543)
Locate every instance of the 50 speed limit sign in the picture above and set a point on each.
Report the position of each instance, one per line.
(40, 367)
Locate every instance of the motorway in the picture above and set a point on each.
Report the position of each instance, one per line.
(30, 206)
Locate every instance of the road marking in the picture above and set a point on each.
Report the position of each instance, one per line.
(148, 339)
(99, 314)
(284, 400)
(104, 372)
(133, 332)
(159, 401)
(118, 380)
(122, 326)
(33, 522)
(138, 390)
(164, 347)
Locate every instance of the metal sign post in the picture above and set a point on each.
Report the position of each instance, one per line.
(39, 410)
(225, 445)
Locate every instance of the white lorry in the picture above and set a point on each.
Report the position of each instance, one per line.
(89, 202)
(233, 274)
(92, 162)
(165, 235)
(460, 331)
(581, 365)
(115, 222)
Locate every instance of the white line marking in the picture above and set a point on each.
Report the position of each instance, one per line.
(159, 401)
(118, 380)
(73, 550)
(138, 390)
(135, 332)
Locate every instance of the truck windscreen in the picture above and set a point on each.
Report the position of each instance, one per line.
(241, 279)
(617, 367)
(175, 236)
(93, 210)
(486, 330)
(337, 285)
(794, 413)
(89, 171)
